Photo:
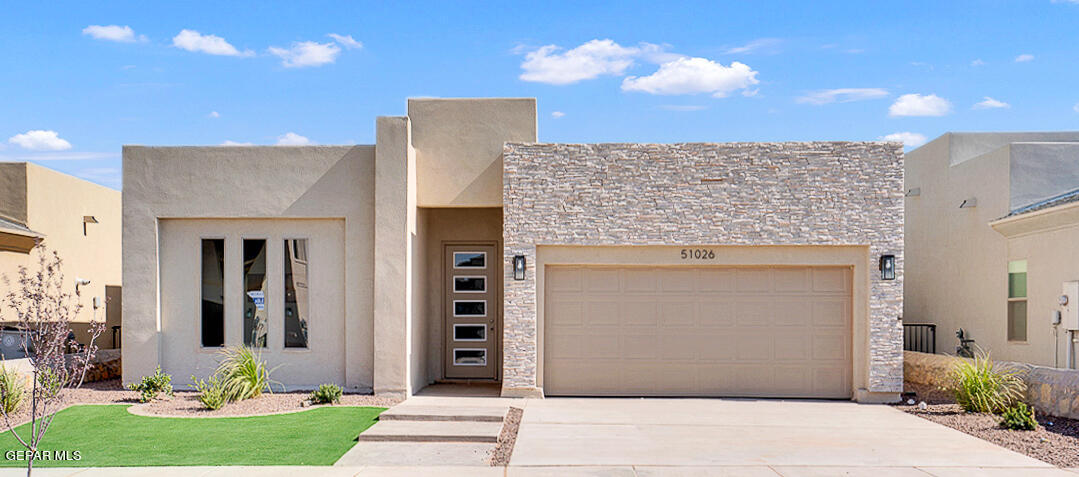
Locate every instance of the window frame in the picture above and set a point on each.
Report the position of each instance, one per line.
(483, 350)
(482, 277)
(1025, 299)
(307, 263)
(484, 315)
(224, 296)
(267, 294)
(454, 258)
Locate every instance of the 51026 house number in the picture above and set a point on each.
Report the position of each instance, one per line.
(698, 254)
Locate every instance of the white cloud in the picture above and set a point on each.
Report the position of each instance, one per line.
(557, 114)
(760, 45)
(1024, 58)
(909, 139)
(977, 62)
(40, 140)
(920, 105)
(292, 139)
(306, 53)
(346, 41)
(122, 34)
(1076, 107)
(213, 114)
(694, 75)
(237, 144)
(990, 103)
(842, 95)
(192, 40)
(550, 65)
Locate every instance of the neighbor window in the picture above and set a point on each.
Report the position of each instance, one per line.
(296, 311)
(1017, 300)
(213, 292)
(254, 273)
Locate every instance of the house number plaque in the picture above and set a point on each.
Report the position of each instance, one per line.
(698, 254)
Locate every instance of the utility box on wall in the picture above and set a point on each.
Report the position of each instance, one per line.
(1069, 306)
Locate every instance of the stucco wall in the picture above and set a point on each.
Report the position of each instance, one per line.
(54, 204)
(333, 182)
(459, 147)
(819, 193)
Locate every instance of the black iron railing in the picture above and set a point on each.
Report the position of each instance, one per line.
(920, 337)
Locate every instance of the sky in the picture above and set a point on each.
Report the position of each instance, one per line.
(82, 79)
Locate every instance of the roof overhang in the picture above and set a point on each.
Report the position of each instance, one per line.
(1061, 216)
(14, 239)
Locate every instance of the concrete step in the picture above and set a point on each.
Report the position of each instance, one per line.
(432, 431)
(445, 413)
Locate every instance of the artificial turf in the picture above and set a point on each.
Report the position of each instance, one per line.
(109, 436)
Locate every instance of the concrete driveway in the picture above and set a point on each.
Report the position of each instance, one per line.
(751, 437)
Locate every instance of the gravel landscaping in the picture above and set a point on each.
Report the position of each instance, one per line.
(1056, 440)
(503, 450)
(185, 404)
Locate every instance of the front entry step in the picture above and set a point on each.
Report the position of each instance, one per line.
(432, 431)
(445, 413)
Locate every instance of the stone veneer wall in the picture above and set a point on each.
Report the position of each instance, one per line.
(791, 193)
(1052, 391)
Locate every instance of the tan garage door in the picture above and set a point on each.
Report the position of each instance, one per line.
(707, 331)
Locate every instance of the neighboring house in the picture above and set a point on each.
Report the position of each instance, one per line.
(456, 248)
(75, 218)
(991, 231)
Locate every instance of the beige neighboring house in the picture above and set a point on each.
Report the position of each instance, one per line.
(992, 232)
(77, 219)
(457, 248)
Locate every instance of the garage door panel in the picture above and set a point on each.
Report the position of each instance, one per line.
(715, 280)
(718, 331)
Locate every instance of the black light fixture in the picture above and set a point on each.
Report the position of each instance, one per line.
(518, 267)
(887, 267)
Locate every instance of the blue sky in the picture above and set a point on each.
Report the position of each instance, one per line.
(82, 79)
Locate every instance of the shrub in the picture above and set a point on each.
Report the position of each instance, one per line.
(327, 394)
(979, 387)
(243, 373)
(12, 389)
(1019, 417)
(211, 392)
(151, 386)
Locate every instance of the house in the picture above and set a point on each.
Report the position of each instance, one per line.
(990, 239)
(458, 248)
(75, 218)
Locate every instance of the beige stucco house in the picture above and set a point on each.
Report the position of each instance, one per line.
(458, 248)
(991, 230)
(78, 219)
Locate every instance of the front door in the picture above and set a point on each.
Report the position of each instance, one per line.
(471, 311)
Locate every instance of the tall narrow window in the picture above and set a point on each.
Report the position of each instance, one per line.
(213, 292)
(256, 321)
(296, 311)
(1017, 300)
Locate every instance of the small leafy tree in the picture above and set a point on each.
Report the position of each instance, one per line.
(38, 301)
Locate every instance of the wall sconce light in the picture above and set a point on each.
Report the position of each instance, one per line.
(518, 267)
(887, 267)
(87, 219)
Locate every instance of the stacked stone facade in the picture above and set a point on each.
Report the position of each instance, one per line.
(791, 193)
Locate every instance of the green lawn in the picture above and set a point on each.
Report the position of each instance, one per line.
(108, 435)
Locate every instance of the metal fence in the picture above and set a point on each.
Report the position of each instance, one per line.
(920, 337)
